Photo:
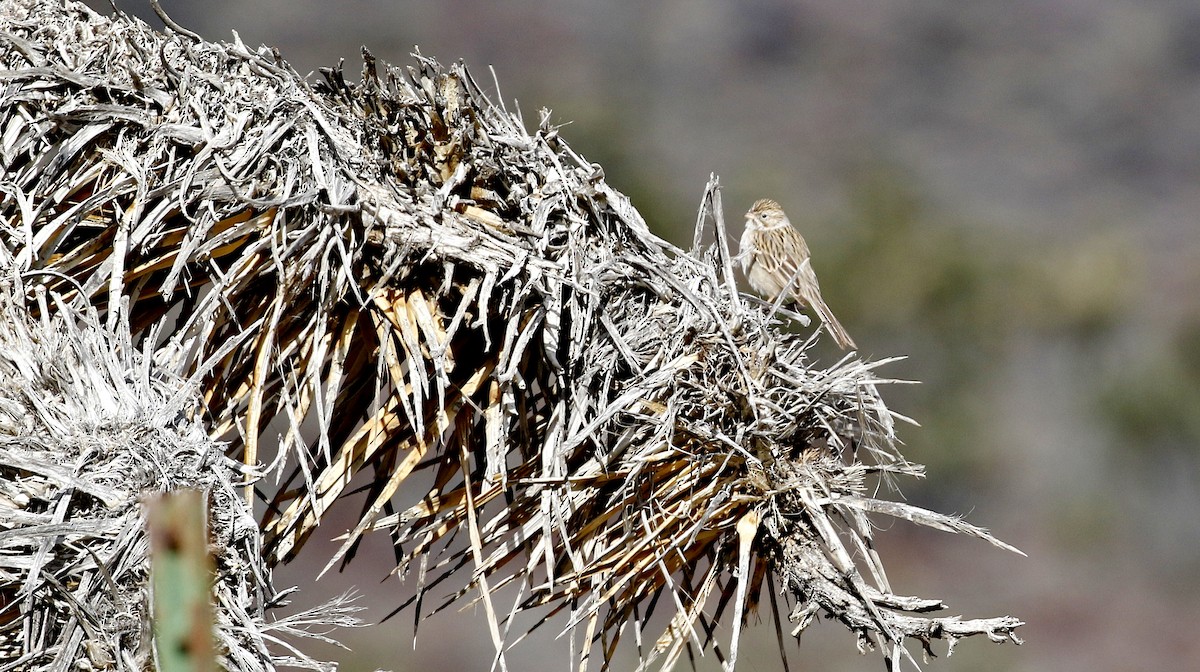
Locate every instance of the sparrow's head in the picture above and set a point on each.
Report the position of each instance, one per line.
(765, 215)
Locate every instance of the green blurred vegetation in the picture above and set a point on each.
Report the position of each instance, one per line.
(1152, 400)
(602, 135)
(961, 298)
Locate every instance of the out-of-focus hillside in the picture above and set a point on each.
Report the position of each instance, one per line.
(1007, 192)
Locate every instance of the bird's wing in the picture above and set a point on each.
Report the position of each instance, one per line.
(774, 261)
(800, 275)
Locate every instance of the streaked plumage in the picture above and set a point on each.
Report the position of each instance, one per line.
(772, 252)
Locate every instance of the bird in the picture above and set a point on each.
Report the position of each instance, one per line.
(774, 254)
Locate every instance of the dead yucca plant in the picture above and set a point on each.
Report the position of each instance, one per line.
(89, 428)
(614, 430)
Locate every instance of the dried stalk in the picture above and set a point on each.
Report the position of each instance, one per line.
(89, 427)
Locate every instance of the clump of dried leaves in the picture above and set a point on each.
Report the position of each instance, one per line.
(424, 291)
(89, 427)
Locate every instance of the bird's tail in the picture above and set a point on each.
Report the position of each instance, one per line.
(832, 325)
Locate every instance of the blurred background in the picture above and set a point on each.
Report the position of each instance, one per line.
(1005, 192)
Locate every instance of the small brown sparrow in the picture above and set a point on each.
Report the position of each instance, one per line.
(773, 253)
